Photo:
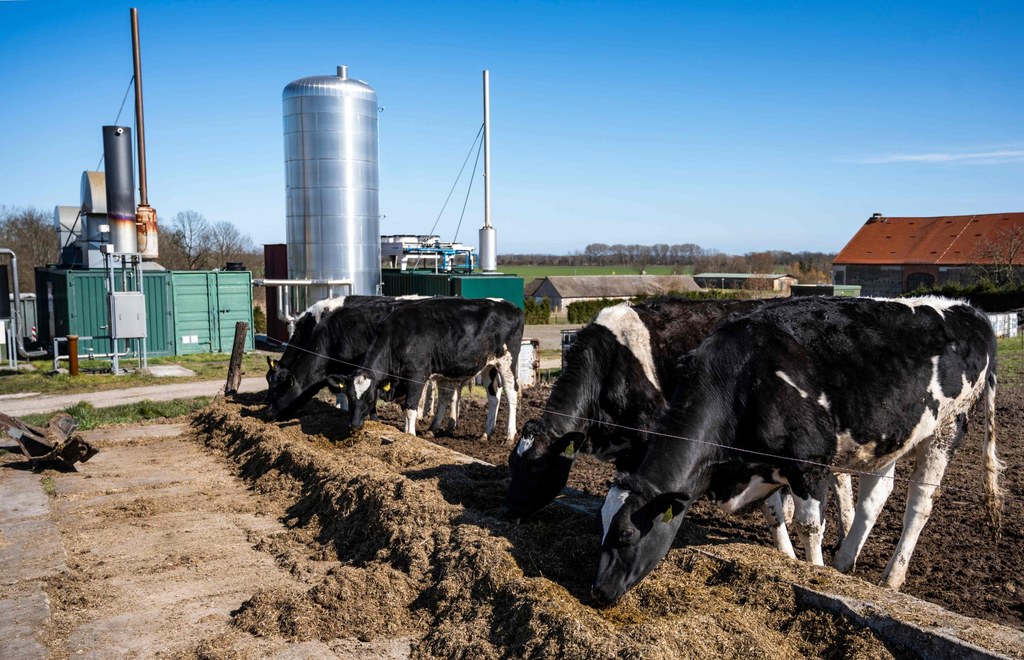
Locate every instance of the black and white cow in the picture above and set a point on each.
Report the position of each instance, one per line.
(447, 340)
(328, 344)
(618, 375)
(301, 337)
(785, 394)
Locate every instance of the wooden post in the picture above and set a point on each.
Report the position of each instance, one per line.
(235, 366)
(73, 355)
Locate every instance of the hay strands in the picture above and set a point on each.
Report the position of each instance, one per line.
(57, 442)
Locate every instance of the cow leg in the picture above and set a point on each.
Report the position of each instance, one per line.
(413, 397)
(510, 384)
(439, 409)
(872, 494)
(492, 402)
(774, 513)
(453, 408)
(929, 468)
(842, 486)
(808, 518)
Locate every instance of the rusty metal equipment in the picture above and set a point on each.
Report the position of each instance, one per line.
(57, 442)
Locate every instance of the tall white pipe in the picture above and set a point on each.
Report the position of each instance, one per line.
(487, 148)
(488, 235)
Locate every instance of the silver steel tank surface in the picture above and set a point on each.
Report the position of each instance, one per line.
(331, 178)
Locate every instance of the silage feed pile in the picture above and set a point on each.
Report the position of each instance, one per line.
(424, 554)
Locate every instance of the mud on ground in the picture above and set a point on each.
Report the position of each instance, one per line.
(425, 554)
(957, 563)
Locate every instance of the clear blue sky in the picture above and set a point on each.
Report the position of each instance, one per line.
(737, 126)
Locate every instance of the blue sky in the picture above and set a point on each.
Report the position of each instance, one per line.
(739, 126)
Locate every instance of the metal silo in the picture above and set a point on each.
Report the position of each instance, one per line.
(331, 177)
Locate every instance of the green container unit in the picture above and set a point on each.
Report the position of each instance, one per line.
(506, 287)
(74, 302)
(207, 304)
(405, 283)
(186, 311)
(847, 290)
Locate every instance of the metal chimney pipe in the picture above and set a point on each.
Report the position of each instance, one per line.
(140, 130)
(120, 176)
(147, 234)
(488, 235)
(343, 71)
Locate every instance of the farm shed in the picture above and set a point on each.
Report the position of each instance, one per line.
(564, 290)
(889, 256)
(758, 281)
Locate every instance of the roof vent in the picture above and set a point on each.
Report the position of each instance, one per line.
(876, 217)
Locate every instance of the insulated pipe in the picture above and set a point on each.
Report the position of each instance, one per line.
(487, 148)
(18, 339)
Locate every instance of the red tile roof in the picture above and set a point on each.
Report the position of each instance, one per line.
(945, 240)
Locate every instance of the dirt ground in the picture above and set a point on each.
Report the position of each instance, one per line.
(957, 564)
(244, 539)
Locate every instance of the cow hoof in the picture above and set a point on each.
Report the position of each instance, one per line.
(427, 434)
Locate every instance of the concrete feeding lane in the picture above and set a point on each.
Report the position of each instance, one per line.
(107, 398)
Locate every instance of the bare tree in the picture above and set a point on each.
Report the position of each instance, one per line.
(190, 235)
(1001, 259)
(227, 243)
(30, 233)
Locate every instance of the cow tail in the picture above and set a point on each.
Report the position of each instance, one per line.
(993, 466)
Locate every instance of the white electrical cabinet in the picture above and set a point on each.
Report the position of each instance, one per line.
(127, 315)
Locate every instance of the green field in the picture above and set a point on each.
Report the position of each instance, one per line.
(530, 272)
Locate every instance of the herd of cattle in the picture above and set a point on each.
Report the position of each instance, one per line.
(769, 403)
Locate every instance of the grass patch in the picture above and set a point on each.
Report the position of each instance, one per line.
(207, 366)
(49, 487)
(1011, 361)
(530, 272)
(89, 417)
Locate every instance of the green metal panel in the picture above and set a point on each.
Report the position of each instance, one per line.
(234, 303)
(195, 329)
(87, 311)
(506, 287)
(206, 306)
(851, 290)
(403, 283)
(156, 285)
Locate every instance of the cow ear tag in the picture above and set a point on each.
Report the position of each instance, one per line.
(570, 450)
(667, 516)
(387, 387)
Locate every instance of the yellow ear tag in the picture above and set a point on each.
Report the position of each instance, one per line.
(667, 516)
(273, 363)
(341, 386)
(570, 450)
(387, 387)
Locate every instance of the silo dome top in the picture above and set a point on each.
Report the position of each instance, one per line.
(337, 85)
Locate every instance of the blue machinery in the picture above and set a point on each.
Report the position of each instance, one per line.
(407, 252)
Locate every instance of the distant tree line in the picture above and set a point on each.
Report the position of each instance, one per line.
(29, 232)
(808, 267)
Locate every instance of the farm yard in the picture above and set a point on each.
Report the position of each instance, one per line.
(296, 537)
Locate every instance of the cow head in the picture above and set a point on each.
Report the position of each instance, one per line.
(276, 374)
(539, 468)
(288, 389)
(361, 390)
(639, 528)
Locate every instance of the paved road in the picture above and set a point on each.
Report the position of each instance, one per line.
(49, 403)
